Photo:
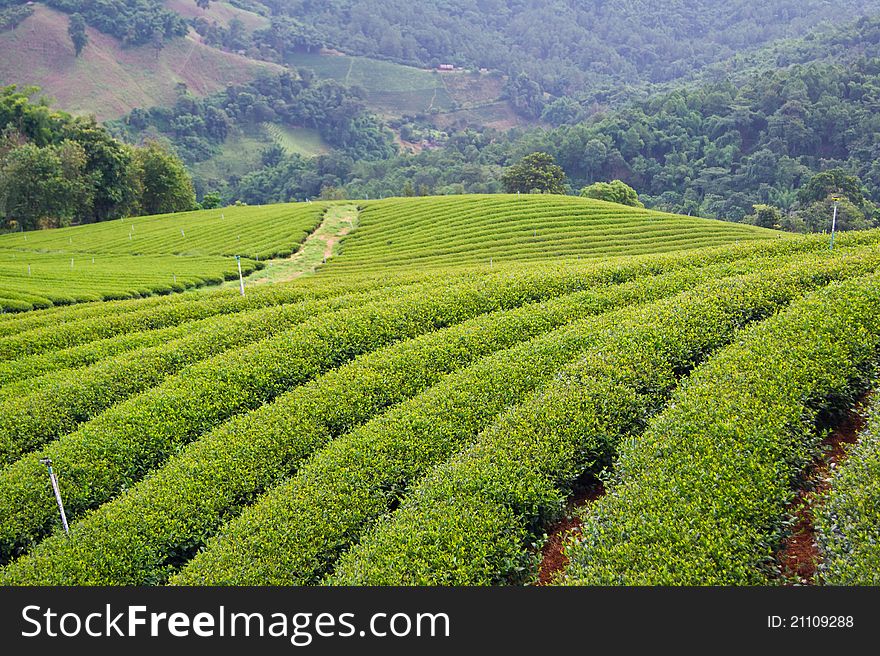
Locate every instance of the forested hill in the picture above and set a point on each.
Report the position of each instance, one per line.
(585, 45)
(845, 41)
(580, 44)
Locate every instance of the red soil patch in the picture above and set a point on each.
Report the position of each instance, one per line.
(799, 556)
(553, 560)
(108, 80)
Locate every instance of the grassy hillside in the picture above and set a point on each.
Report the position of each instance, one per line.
(394, 90)
(302, 141)
(240, 154)
(391, 89)
(474, 229)
(242, 151)
(108, 80)
(146, 255)
(416, 414)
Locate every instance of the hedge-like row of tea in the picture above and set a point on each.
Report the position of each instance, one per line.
(847, 519)
(700, 498)
(295, 534)
(166, 516)
(146, 255)
(116, 448)
(30, 281)
(262, 232)
(524, 466)
(42, 409)
(420, 410)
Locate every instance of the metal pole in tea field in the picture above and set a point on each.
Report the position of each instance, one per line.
(240, 277)
(54, 479)
(836, 200)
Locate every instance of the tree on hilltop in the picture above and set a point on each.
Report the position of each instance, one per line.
(834, 186)
(765, 216)
(615, 191)
(166, 186)
(211, 201)
(833, 181)
(817, 217)
(537, 172)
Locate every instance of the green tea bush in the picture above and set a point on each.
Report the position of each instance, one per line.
(296, 532)
(438, 231)
(848, 532)
(525, 464)
(50, 406)
(119, 446)
(138, 537)
(700, 498)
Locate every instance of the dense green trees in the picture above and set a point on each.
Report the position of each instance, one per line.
(525, 95)
(109, 164)
(283, 36)
(817, 217)
(537, 172)
(135, 22)
(56, 170)
(713, 149)
(833, 182)
(212, 200)
(781, 127)
(166, 186)
(44, 187)
(562, 47)
(197, 126)
(11, 17)
(599, 48)
(765, 216)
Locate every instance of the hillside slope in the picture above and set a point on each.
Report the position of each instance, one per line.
(146, 255)
(440, 231)
(221, 13)
(108, 80)
(395, 90)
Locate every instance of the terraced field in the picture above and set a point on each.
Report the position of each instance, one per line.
(391, 89)
(482, 230)
(146, 255)
(300, 141)
(423, 409)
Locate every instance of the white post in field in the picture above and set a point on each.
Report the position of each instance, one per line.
(240, 277)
